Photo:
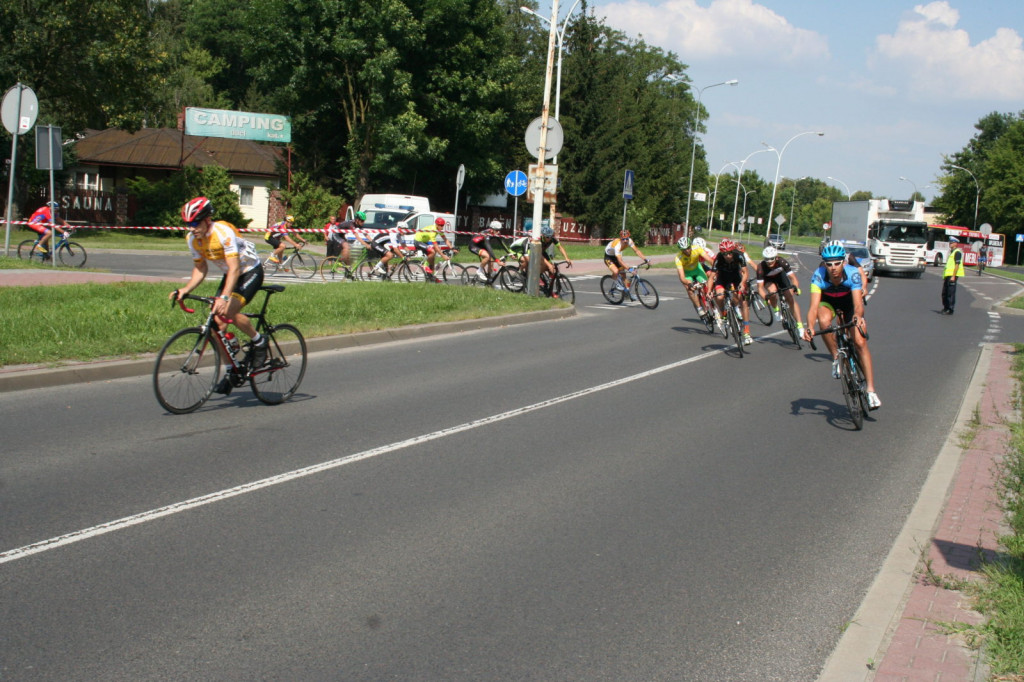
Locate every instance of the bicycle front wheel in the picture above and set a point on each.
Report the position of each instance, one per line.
(279, 378)
(186, 370)
(563, 289)
(790, 322)
(411, 272)
(851, 390)
(331, 269)
(761, 309)
(451, 273)
(71, 254)
(646, 292)
(512, 279)
(304, 265)
(736, 330)
(611, 291)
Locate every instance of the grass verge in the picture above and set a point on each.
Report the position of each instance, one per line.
(1001, 595)
(51, 324)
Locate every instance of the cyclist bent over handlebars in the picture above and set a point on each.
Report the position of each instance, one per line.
(837, 287)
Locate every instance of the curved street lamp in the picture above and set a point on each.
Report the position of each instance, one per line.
(912, 183)
(693, 153)
(792, 205)
(778, 167)
(746, 193)
(739, 176)
(848, 195)
(977, 191)
(714, 196)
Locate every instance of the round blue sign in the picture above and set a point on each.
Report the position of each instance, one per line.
(515, 183)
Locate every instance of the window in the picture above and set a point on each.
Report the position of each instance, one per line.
(245, 195)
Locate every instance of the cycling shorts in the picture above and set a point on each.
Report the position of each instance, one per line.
(697, 274)
(273, 240)
(334, 248)
(613, 259)
(426, 247)
(840, 304)
(39, 228)
(477, 248)
(247, 286)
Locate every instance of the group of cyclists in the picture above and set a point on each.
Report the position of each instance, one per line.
(837, 288)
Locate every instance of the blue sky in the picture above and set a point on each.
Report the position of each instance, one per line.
(894, 85)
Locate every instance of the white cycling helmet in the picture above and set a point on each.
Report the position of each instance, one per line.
(495, 225)
(683, 243)
(700, 243)
(770, 253)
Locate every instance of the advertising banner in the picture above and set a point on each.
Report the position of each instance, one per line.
(238, 125)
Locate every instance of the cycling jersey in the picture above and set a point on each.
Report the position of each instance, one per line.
(222, 243)
(277, 230)
(838, 297)
(690, 262)
(776, 273)
(729, 272)
(426, 234)
(547, 246)
(36, 220)
(615, 246)
(482, 242)
(520, 246)
(385, 240)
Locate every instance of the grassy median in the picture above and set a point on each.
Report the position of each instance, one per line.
(50, 324)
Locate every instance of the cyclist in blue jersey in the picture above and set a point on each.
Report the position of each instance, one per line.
(838, 288)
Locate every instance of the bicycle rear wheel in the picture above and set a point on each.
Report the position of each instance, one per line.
(707, 318)
(762, 310)
(646, 292)
(279, 378)
(563, 289)
(186, 370)
(304, 265)
(71, 254)
(469, 275)
(736, 329)
(365, 271)
(26, 250)
(611, 291)
(851, 390)
(411, 272)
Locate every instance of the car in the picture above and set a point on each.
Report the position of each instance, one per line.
(863, 257)
(775, 240)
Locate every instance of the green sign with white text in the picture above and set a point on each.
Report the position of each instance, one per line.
(238, 125)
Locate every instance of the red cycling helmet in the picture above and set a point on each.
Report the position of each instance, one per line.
(727, 245)
(439, 221)
(196, 210)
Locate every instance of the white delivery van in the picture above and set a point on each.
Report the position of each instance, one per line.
(402, 202)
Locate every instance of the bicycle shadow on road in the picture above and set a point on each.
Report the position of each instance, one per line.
(835, 414)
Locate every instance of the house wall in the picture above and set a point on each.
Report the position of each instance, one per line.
(257, 192)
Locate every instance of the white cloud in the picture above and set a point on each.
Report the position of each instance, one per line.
(726, 28)
(938, 59)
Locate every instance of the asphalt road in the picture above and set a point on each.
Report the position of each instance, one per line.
(609, 497)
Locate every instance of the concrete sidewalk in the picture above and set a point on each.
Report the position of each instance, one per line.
(898, 634)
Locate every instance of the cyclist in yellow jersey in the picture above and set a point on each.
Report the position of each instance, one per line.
(426, 241)
(688, 265)
(219, 243)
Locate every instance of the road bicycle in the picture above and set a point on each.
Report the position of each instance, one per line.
(302, 265)
(700, 289)
(641, 289)
(188, 366)
(409, 267)
(504, 274)
(446, 270)
(333, 268)
(851, 372)
(731, 323)
(786, 313)
(69, 254)
(982, 262)
(558, 286)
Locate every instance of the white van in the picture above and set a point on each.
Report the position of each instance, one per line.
(417, 221)
(403, 202)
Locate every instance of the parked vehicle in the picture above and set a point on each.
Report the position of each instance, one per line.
(775, 240)
(863, 257)
(417, 221)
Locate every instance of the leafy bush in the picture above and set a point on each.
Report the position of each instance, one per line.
(160, 202)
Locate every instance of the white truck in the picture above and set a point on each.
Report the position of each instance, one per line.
(893, 230)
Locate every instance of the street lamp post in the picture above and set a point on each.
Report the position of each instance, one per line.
(977, 191)
(746, 193)
(792, 205)
(912, 183)
(778, 167)
(848, 195)
(714, 196)
(736, 201)
(693, 152)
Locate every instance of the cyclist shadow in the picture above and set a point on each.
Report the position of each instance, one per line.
(835, 414)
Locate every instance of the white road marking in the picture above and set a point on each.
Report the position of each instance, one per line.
(196, 502)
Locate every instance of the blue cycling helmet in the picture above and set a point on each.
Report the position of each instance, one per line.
(833, 252)
(546, 231)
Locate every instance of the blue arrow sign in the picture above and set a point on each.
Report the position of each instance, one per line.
(515, 183)
(627, 186)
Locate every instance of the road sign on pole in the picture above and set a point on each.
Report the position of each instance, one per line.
(627, 186)
(19, 110)
(515, 183)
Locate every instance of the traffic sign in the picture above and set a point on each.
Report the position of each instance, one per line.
(1020, 237)
(515, 183)
(554, 139)
(627, 186)
(19, 109)
(460, 177)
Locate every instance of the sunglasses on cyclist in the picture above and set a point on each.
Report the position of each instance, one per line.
(833, 263)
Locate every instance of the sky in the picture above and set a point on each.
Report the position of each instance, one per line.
(894, 85)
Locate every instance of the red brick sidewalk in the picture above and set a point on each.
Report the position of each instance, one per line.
(919, 649)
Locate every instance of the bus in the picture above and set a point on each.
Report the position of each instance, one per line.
(937, 248)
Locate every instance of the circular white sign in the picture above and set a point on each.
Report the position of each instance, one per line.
(985, 229)
(554, 139)
(21, 120)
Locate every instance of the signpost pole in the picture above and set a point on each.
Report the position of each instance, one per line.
(10, 184)
(18, 112)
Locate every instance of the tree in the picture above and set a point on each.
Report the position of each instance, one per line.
(160, 202)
